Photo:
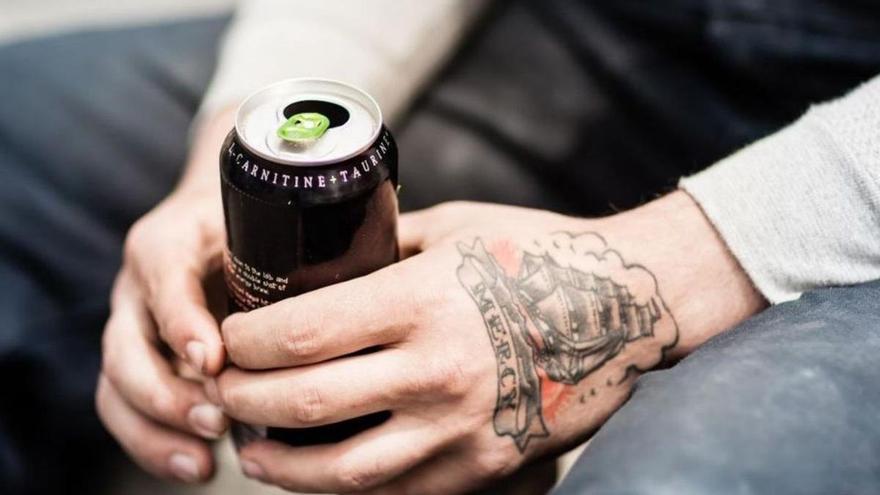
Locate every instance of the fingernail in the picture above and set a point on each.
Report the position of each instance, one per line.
(211, 391)
(184, 467)
(252, 470)
(195, 352)
(208, 420)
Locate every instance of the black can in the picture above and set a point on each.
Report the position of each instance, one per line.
(309, 185)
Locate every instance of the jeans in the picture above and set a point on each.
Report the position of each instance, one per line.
(786, 402)
(93, 133)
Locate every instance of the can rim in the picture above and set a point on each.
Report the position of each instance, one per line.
(311, 163)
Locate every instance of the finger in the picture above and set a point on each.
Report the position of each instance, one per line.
(375, 310)
(184, 370)
(147, 380)
(160, 451)
(335, 390)
(177, 300)
(359, 463)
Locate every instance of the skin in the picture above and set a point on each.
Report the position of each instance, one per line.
(154, 405)
(438, 367)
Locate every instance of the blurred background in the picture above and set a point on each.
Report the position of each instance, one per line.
(583, 107)
(94, 465)
(21, 19)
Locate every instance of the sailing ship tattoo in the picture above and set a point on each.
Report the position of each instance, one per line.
(556, 311)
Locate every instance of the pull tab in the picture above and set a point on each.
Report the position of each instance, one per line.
(304, 128)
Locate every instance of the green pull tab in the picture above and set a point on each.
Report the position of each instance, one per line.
(304, 127)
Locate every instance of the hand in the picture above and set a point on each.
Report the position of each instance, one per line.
(507, 334)
(155, 406)
(161, 417)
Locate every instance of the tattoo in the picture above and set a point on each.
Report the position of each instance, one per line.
(556, 312)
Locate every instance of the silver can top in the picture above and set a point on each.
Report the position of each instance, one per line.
(308, 122)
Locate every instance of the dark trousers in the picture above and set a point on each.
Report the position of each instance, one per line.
(567, 106)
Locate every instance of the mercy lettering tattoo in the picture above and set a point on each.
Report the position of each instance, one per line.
(556, 312)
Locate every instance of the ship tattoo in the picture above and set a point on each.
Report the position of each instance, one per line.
(559, 310)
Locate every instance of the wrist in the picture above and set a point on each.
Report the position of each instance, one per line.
(663, 282)
(197, 190)
(702, 283)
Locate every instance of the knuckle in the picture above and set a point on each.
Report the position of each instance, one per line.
(231, 342)
(455, 380)
(229, 327)
(229, 396)
(302, 342)
(283, 482)
(101, 399)
(163, 404)
(459, 210)
(134, 239)
(453, 207)
(359, 476)
(493, 463)
(448, 217)
(448, 379)
(110, 365)
(173, 329)
(146, 451)
(109, 360)
(307, 406)
(429, 306)
(113, 365)
(234, 397)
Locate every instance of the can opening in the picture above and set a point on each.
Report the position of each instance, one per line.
(337, 114)
(350, 118)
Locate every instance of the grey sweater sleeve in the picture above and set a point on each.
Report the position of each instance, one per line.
(801, 209)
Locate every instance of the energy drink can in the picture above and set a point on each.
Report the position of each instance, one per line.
(309, 185)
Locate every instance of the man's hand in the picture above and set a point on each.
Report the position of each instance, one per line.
(507, 334)
(158, 411)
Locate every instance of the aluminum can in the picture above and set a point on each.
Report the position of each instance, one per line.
(309, 186)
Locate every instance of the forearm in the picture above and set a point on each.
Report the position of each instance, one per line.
(201, 172)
